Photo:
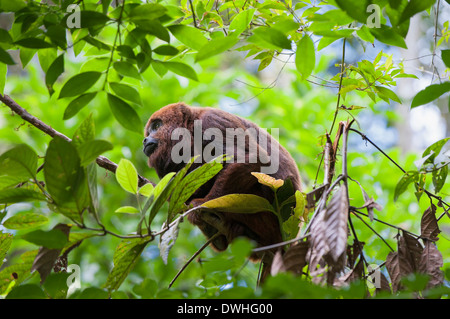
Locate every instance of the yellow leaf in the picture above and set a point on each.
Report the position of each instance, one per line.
(240, 203)
(268, 180)
(300, 201)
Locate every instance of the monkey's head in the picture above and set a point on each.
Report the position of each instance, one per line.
(158, 136)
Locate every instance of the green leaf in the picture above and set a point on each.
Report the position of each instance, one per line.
(25, 220)
(216, 46)
(46, 57)
(241, 21)
(125, 257)
(93, 293)
(439, 178)
(125, 114)
(148, 11)
(146, 190)
(79, 83)
(430, 93)
(85, 132)
(160, 195)
(5, 57)
(154, 27)
(365, 35)
(126, 51)
(180, 69)
(90, 150)
(300, 203)
(273, 36)
(27, 291)
(17, 165)
(240, 203)
(57, 34)
(357, 9)
(389, 36)
(434, 149)
(127, 210)
(92, 18)
(16, 195)
(126, 176)
(56, 286)
(414, 7)
(166, 50)
(445, 55)
(97, 43)
(389, 94)
(34, 43)
(402, 185)
(127, 69)
(54, 71)
(190, 36)
(189, 184)
(126, 92)
(290, 227)
(305, 58)
(77, 104)
(147, 288)
(5, 242)
(62, 170)
(52, 239)
(26, 55)
(5, 37)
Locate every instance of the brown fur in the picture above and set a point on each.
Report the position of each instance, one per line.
(233, 178)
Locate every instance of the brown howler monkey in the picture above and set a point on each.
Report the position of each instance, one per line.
(163, 146)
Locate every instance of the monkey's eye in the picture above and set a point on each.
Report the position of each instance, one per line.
(156, 125)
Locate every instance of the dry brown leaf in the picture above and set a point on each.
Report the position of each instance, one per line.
(329, 237)
(319, 245)
(429, 226)
(384, 284)
(402, 263)
(411, 249)
(353, 251)
(295, 257)
(336, 218)
(393, 268)
(293, 260)
(431, 263)
(369, 203)
(277, 264)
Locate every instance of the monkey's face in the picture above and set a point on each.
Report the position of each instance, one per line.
(158, 141)
(152, 137)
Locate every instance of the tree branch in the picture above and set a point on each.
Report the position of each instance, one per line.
(23, 113)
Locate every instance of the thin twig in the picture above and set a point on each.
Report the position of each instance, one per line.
(340, 86)
(209, 241)
(353, 209)
(435, 71)
(119, 21)
(357, 241)
(193, 13)
(365, 138)
(337, 103)
(264, 248)
(371, 228)
(429, 194)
